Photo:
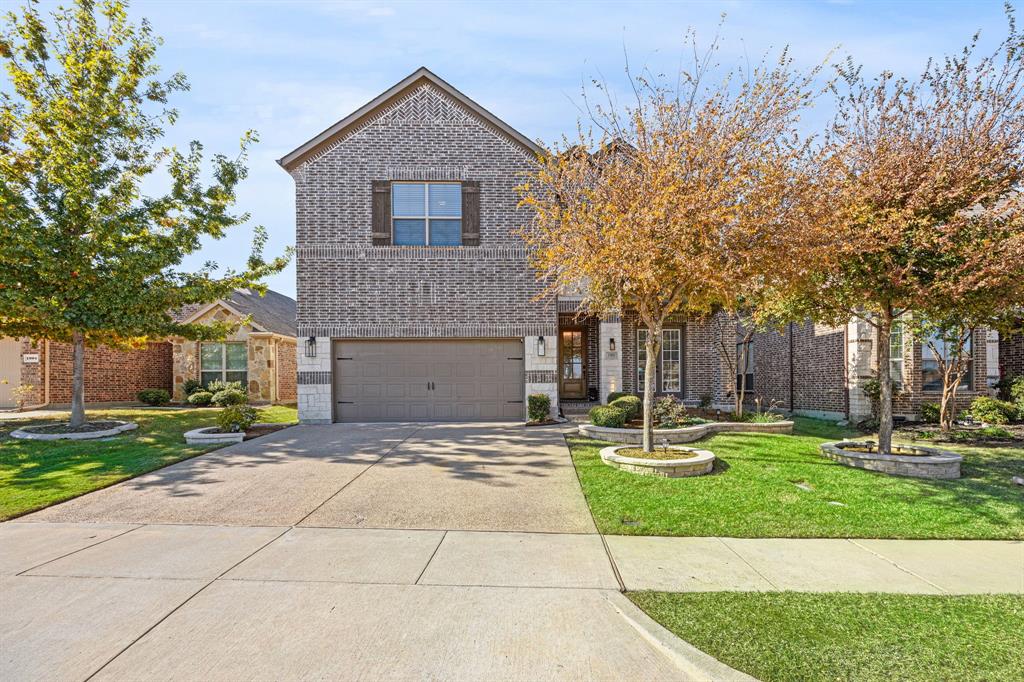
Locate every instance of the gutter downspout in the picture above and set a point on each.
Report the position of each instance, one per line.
(791, 373)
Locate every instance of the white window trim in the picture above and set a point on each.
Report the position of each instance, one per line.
(896, 363)
(678, 360)
(640, 366)
(426, 218)
(223, 360)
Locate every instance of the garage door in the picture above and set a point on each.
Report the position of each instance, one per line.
(429, 380)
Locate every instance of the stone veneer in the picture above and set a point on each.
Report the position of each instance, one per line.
(906, 460)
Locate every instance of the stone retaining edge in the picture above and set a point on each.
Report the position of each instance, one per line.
(26, 433)
(687, 434)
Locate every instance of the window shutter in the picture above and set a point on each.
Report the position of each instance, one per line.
(381, 212)
(471, 213)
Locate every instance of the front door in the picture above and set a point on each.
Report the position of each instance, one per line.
(571, 362)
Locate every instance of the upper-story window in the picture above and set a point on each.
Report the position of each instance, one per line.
(896, 353)
(426, 213)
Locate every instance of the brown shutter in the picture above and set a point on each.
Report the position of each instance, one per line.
(471, 213)
(381, 212)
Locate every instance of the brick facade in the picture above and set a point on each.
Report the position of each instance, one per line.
(1011, 356)
(801, 367)
(347, 287)
(111, 375)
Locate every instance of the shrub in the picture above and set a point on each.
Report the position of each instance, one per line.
(705, 401)
(1017, 395)
(930, 412)
(235, 418)
(606, 415)
(669, 412)
(154, 396)
(230, 396)
(615, 395)
(192, 386)
(538, 406)
(766, 417)
(630, 404)
(200, 398)
(992, 411)
(217, 386)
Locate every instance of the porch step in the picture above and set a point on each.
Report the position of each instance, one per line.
(576, 407)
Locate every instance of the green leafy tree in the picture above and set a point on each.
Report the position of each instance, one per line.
(88, 257)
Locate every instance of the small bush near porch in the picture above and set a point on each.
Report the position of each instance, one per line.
(779, 486)
(36, 474)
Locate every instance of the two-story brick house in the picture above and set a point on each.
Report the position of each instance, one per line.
(416, 300)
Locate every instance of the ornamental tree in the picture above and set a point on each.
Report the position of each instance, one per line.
(685, 200)
(88, 256)
(919, 182)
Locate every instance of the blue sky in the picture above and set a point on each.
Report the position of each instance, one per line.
(291, 69)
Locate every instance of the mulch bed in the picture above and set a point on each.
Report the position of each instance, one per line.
(659, 453)
(257, 431)
(64, 427)
(961, 434)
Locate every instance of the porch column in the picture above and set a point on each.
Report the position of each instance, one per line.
(542, 370)
(860, 340)
(314, 382)
(610, 374)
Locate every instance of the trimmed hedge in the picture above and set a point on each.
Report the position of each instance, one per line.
(200, 398)
(538, 406)
(630, 404)
(230, 396)
(615, 395)
(930, 412)
(606, 415)
(235, 418)
(154, 396)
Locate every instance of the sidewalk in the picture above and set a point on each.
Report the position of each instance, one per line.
(818, 565)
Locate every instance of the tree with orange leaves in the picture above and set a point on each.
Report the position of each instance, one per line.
(688, 199)
(920, 182)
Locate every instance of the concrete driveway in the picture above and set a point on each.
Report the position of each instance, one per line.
(384, 551)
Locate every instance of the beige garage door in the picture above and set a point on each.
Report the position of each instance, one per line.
(428, 380)
(10, 370)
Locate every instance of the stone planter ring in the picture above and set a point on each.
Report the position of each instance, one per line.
(697, 463)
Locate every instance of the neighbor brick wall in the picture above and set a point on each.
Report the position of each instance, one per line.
(818, 376)
(111, 375)
(349, 288)
(1011, 356)
(287, 371)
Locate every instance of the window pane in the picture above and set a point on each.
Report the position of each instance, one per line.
(445, 232)
(641, 359)
(237, 356)
(410, 232)
(408, 199)
(931, 378)
(445, 200)
(207, 377)
(670, 361)
(211, 356)
(240, 377)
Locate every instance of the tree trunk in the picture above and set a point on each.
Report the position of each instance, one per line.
(953, 369)
(652, 345)
(741, 372)
(78, 378)
(885, 383)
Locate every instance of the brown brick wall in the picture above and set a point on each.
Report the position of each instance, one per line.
(1011, 356)
(349, 288)
(815, 381)
(111, 375)
(287, 373)
(908, 403)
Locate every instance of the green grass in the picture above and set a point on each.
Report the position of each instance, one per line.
(753, 492)
(809, 637)
(36, 474)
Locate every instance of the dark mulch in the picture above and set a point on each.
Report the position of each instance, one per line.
(257, 431)
(967, 434)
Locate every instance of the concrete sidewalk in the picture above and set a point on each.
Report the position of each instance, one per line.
(818, 565)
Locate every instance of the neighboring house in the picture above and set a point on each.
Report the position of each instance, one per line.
(1011, 356)
(416, 300)
(261, 355)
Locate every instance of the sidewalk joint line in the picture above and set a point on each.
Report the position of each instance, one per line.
(50, 561)
(179, 606)
(431, 559)
(749, 565)
(854, 542)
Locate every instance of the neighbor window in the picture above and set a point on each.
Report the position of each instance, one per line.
(223, 362)
(896, 353)
(671, 361)
(931, 375)
(641, 359)
(425, 213)
(745, 376)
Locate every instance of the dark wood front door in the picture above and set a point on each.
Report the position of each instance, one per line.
(572, 363)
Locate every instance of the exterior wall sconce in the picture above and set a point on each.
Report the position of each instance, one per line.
(311, 347)
(611, 344)
(540, 345)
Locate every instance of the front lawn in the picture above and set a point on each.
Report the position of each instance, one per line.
(797, 636)
(779, 486)
(36, 474)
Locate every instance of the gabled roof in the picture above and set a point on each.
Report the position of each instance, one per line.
(272, 312)
(415, 79)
